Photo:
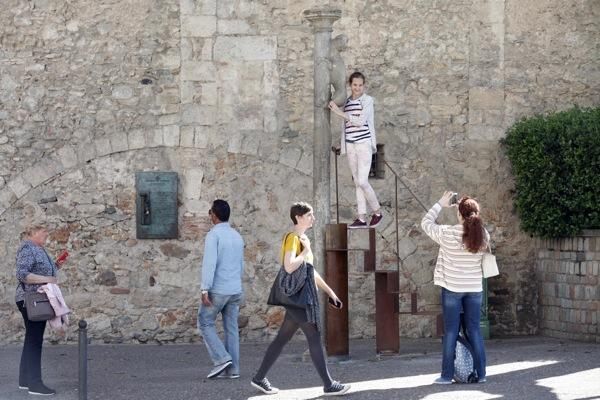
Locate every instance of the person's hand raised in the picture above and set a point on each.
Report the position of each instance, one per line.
(445, 199)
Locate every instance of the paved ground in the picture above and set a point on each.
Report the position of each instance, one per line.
(522, 368)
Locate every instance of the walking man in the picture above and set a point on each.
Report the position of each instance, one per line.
(221, 288)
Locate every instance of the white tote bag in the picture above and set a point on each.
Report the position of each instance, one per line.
(488, 264)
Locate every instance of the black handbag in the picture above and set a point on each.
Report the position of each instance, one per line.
(300, 299)
(38, 307)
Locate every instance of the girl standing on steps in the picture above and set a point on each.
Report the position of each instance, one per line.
(296, 254)
(359, 143)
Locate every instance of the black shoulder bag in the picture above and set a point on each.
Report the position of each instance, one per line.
(290, 290)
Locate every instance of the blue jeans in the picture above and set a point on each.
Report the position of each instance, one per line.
(470, 303)
(229, 307)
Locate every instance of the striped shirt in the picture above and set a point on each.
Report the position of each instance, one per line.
(456, 269)
(353, 133)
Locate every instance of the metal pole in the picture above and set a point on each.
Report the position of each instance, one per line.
(82, 360)
(397, 234)
(337, 199)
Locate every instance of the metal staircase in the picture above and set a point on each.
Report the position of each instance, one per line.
(387, 284)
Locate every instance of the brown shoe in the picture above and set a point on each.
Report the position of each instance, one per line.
(375, 220)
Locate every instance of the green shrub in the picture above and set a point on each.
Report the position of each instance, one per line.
(556, 163)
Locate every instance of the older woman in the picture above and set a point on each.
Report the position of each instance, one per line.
(458, 272)
(34, 268)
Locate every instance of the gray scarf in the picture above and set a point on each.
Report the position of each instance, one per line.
(291, 284)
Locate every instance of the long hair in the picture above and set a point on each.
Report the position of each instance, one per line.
(473, 234)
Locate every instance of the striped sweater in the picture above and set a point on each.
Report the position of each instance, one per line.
(456, 269)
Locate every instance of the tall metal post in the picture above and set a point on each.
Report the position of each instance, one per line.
(484, 323)
(321, 20)
(82, 360)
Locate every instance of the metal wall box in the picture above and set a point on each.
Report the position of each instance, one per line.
(156, 205)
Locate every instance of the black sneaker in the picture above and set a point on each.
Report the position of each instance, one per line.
(358, 224)
(336, 389)
(375, 220)
(264, 386)
(41, 390)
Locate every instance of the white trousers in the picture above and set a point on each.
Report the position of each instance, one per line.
(359, 160)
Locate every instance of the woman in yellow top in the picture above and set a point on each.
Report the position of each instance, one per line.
(296, 253)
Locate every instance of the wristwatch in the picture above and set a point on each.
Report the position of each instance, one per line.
(204, 291)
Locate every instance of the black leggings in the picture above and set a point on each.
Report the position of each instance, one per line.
(286, 332)
(30, 369)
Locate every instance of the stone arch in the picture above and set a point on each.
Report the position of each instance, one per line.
(69, 157)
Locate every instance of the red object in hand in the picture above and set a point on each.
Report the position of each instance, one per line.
(63, 256)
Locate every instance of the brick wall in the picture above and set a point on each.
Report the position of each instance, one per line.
(569, 300)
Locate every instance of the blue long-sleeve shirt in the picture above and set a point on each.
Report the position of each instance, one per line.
(32, 259)
(223, 262)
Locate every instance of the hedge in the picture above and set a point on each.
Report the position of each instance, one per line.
(556, 163)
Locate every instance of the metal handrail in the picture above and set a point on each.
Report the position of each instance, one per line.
(396, 179)
(405, 185)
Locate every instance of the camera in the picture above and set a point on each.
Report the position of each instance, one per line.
(454, 199)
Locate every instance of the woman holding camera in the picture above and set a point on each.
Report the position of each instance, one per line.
(295, 254)
(34, 269)
(458, 271)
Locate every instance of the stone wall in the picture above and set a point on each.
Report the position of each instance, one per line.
(569, 298)
(221, 92)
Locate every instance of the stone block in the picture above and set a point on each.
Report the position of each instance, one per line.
(19, 186)
(442, 99)
(290, 156)
(103, 147)
(198, 71)
(154, 138)
(198, 25)
(407, 246)
(245, 48)
(209, 94)
(485, 132)
(170, 61)
(188, 92)
(482, 98)
(234, 143)
(198, 114)
(168, 97)
(39, 173)
(192, 183)
(86, 152)
(122, 92)
(206, 53)
(136, 139)
(233, 27)
(171, 135)
(67, 156)
(186, 136)
(201, 136)
(119, 142)
(119, 290)
(168, 119)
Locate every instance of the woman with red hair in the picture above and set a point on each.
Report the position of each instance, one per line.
(458, 272)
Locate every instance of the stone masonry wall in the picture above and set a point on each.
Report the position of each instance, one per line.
(569, 299)
(221, 92)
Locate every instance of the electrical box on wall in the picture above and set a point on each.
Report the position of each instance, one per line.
(156, 205)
